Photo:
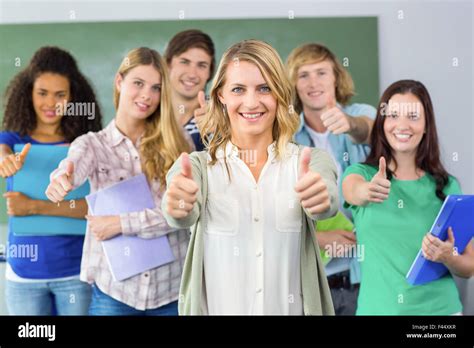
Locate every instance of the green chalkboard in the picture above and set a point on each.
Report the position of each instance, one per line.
(100, 47)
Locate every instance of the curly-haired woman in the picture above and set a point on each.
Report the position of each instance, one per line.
(34, 101)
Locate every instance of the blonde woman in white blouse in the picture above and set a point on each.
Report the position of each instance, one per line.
(251, 198)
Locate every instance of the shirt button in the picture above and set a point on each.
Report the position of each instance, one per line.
(259, 290)
(145, 275)
(256, 219)
(259, 254)
(255, 187)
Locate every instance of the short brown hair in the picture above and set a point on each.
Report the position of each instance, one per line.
(315, 53)
(187, 39)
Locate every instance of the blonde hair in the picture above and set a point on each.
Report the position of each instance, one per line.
(270, 65)
(163, 140)
(315, 53)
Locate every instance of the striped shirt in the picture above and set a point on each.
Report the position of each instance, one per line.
(105, 158)
(192, 130)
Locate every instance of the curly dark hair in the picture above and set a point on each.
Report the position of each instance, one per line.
(20, 115)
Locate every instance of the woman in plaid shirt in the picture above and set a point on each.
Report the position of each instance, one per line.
(144, 137)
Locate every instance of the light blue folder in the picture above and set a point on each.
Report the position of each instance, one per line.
(457, 212)
(129, 255)
(33, 180)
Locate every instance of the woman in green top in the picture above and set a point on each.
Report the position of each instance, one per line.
(395, 196)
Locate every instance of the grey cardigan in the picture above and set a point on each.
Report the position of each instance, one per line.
(314, 286)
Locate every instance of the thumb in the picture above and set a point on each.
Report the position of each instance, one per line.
(202, 99)
(25, 151)
(450, 235)
(69, 168)
(382, 168)
(304, 161)
(331, 103)
(9, 194)
(186, 166)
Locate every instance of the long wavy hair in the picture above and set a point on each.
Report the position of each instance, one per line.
(427, 154)
(20, 114)
(163, 140)
(216, 120)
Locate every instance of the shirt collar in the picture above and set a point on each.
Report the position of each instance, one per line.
(231, 151)
(115, 135)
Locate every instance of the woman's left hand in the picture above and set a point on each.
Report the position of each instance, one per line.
(434, 249)
(104, 227)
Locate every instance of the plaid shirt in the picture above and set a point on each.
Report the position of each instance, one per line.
(105, 158)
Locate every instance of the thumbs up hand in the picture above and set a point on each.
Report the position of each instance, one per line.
(434, 249)
(310, 188)
(11, 164)
(334, 119)
(60, 186)
(182, 191)
(378, 188)
(201, 111)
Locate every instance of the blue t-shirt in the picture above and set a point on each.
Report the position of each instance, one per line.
(57, 256)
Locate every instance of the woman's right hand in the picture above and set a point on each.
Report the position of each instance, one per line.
(378, 189)
(182, 191)
(12, 163)
(60, 186)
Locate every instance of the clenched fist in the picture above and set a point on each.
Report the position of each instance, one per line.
(13, 163)
(182, 191)
(378, 189)
(60, 186)
(311, 188)
(335, 120)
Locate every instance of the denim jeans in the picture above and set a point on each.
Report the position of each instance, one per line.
(67, 297)
(103, 304)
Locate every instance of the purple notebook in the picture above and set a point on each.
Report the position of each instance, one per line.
(129, 255)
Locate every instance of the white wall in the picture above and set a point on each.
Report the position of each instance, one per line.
(420, 46)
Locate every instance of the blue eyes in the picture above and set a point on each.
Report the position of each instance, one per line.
(263, 89)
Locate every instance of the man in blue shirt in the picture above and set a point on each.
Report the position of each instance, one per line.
(323, 89)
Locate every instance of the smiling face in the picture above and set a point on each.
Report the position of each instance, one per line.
(316, 85)
(140, 91)
(405, 123)
(250, 104)
(49, 91)
(189, 72)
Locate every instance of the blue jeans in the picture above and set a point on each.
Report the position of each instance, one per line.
(103, 304)
(68, 297)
